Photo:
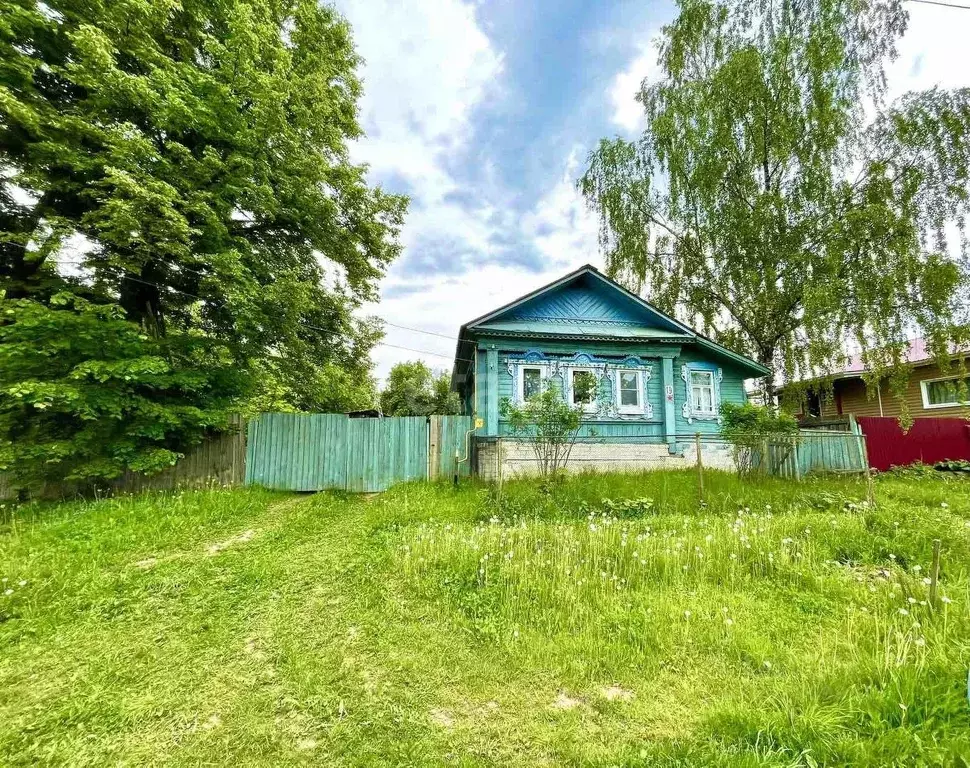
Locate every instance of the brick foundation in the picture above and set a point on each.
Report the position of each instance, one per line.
(519, 460)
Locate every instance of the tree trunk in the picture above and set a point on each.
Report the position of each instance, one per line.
(767, 359)
(141, 299)
(16, 268)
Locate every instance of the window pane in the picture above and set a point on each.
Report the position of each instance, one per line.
(531, 382)
(629, 389)
(701, 378)
(702, 391)
(944, 392)
(584, 387)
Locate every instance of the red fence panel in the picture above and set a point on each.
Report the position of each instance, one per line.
(928, 441)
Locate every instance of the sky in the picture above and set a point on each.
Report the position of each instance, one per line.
(484, 114)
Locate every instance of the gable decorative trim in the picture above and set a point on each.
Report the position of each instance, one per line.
(717, 374)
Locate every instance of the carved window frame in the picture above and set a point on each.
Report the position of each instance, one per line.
(717, 375)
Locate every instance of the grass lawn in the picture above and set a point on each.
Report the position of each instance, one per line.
(609, 621)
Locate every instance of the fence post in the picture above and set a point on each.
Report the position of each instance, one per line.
(935, 572)
(798, 473)
(700, 466)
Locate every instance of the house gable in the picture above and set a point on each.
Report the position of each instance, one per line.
(584, 303)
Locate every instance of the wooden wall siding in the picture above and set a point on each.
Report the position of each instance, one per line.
(219, 461)
(732, 391)
(855, 397)
(731, 387)
(653, 392)
(576, 303)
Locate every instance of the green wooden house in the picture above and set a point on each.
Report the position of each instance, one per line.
(647, 382)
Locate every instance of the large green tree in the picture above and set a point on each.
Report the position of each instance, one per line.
(413, 389)
(778, 199)
(181, 229)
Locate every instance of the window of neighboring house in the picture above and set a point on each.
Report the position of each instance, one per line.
(945, 393)
(530, 381)
(629, 385)
(582, 390)
(702, 393)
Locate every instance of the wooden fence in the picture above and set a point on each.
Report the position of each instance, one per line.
(812, 451)
(221, 460)
(312, 452)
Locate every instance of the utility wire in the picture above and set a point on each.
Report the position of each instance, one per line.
(327, 331)
(944, 5)
(206, 274)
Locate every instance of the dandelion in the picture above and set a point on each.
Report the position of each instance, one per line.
(945, 599)
(892, 556)
(917, 568)
(22, 583)
(728, 622)
(686, 614)
(927, 581)
(911, 600)
(903, 612)
(944, 505)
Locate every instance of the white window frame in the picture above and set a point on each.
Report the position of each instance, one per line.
(637, 409)
(716, 374)
(543, 369)
(924, 391)
(591, 407)
(710, 385)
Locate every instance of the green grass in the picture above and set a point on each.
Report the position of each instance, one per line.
(606, 621)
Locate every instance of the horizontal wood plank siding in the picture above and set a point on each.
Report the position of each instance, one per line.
(859, 401)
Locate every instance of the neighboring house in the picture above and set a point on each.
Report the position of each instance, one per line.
(929, 392)
(655, 382)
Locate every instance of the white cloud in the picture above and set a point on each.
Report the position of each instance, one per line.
(933, 51)
(561, 226)
(627, 111)
(558, 225)
(427, 66)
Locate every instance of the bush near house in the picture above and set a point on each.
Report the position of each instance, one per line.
(604, 620)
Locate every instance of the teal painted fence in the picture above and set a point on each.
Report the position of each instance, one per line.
(812, 451)
(450, 451)
(313, 452)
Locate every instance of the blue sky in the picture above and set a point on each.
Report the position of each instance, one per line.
(484, 114)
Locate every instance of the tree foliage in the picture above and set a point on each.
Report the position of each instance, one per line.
(413, 389)
(779, 200)
(751, 428)
(549, 423)
(182, 232)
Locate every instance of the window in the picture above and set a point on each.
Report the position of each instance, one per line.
(531, 382)
(583, 384)
(629, 388)
(945, 393)
(702, 393)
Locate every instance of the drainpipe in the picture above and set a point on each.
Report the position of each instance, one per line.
(879, 395)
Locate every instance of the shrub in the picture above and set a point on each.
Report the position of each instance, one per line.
(749, 427)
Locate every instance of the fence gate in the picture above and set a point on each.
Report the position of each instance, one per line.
(312, 452)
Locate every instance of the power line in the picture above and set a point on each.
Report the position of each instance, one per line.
(327, 331)
(139, 280)
(944, 5)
